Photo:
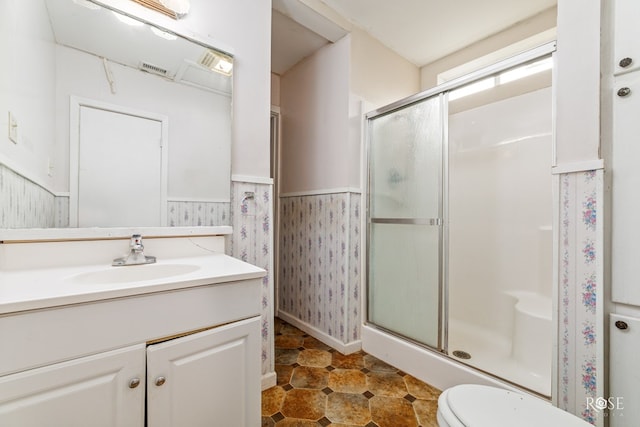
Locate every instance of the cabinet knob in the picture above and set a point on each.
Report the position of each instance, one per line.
(625, 62)
(624, 91)
(134, 382)
(622, 325)
(160, 380)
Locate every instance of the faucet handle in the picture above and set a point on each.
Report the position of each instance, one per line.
(136, 242)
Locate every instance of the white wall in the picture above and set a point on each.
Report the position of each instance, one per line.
(577, 79)
(199, 122)
(27, 87)
(520, 31)
(323, 99)
(315, 111)
(379, 75)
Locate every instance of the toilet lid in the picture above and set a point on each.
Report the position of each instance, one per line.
(484, 406)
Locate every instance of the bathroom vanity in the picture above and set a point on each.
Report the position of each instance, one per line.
(175, 343)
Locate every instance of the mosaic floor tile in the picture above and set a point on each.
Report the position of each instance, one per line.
(388, 384)
(316, 358)
(348, 381)
(348, 408)
(320, 387)
(304, 404)
(308, 377)
(392, 412)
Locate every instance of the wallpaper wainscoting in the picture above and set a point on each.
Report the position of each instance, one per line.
(319, 271)
(24, 204)
(62, 211)
(580, 305)
(252, 242)
(198, 214)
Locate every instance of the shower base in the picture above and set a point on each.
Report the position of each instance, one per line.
(493, 354)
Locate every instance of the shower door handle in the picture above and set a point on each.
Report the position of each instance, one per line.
(407, 221)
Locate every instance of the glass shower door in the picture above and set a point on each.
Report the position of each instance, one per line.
(404, 269)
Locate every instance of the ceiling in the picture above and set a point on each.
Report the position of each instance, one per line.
(421, 31)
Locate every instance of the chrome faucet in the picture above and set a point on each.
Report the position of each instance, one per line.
(136, 254)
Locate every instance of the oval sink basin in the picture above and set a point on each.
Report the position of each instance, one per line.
(133, 273)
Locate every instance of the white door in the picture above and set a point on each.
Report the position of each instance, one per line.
(211, 378)
(92, 391)
(624, 189)
(119, 169)
(626, 34)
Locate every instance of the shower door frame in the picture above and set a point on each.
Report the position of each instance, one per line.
(442, 91)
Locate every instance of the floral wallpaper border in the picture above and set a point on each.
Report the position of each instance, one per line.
(580, 322)
(320, 257)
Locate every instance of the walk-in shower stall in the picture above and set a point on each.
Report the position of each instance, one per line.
(459, 214)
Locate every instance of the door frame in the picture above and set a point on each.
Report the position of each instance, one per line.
(75, 104)
(275, 143)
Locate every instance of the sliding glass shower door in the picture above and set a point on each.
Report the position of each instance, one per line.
(404, 270)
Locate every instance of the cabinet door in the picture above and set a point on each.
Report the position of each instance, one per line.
(624, 377)
(626, 34)
(211, 378)
(90, 391)
(625, 285)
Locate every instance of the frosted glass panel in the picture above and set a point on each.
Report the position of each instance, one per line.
(404, 280)
(405, 188)
(405, 162)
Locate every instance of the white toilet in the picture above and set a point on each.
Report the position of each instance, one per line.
(483, 406)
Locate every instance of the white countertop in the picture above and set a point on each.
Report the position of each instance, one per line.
(32, 289)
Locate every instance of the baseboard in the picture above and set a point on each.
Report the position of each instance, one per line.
(348, 348)
(268, 380)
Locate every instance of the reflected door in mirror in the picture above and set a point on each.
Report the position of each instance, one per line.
(121, 155)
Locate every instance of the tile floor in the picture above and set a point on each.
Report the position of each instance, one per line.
(319, 386)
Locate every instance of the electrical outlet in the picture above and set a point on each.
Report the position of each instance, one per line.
(13, 128)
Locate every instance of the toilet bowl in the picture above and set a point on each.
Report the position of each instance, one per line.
(483, 406)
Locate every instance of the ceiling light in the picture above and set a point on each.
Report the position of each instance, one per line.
(216, 61)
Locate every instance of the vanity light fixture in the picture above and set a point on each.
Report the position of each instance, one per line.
(216, 61)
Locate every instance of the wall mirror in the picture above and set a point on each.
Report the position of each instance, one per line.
(112, 122)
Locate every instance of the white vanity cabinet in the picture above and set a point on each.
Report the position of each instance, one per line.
(97, 390)
(190, 356)
(626, 32)
(175, 343)
(205, 379)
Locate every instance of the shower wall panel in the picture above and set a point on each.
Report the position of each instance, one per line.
(500, 208)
